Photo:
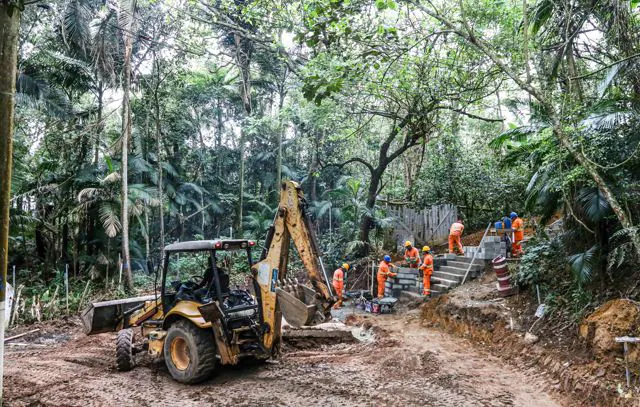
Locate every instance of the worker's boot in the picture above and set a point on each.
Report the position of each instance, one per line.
(338, 304)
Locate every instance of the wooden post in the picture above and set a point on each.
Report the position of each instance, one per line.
(373, 275)
(120, 275)
(626, 364)
(66, 285)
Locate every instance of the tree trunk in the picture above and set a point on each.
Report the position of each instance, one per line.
(243, 49)
(219, 137)
(147, 244)
(239, 208)
(126, 135)
(99, 126)
(281, 130)
(9, 29)
(313, 187)
(367, 221)
(156, 107)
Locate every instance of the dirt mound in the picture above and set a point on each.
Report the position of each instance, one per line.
(615, 318)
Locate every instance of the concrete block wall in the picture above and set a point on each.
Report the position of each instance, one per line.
(490, 248)
(406, 280)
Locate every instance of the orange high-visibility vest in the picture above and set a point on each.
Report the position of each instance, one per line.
(518, 227)
(384, 270)
(427, 263)
(456, 229)
(338, 278)
(412, 255)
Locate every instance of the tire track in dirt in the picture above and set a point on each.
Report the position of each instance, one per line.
(409, 365)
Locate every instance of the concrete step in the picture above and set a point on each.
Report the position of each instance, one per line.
(454, 270)
(445, 282)
(447, 276)
(439, 288)
(406, 270)
(405, 281)
(467, 260)
(464, 265)
(407, 275)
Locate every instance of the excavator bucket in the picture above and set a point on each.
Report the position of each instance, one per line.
(106, 316)
(299, 305)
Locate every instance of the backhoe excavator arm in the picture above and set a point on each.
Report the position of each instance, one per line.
(278, 293)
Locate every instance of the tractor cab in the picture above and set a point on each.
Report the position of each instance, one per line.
(199, 271)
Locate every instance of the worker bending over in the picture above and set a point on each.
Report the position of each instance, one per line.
(427, 270)
(455, 243)
(338, 283)
(517, 224)
(411, 255)
(384, 272)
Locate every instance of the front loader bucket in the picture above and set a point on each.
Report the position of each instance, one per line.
(106, 316)
(299, 312)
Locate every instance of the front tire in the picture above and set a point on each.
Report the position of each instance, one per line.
(189, 352)
(124, 350)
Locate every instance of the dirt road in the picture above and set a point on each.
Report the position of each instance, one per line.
(407, 365)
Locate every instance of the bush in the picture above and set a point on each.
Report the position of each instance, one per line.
(546, 265)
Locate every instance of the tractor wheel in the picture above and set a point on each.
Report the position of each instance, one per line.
(124, 350)
(189, 352)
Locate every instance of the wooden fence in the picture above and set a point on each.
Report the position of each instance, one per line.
(423, 226)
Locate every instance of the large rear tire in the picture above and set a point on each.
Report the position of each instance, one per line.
(189, 352)
(124, 350)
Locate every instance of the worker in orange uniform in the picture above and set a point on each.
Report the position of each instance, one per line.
(517, 224)
(338, 283)
(455, 244)
(384, 272)
(411, 255)
(427, 270)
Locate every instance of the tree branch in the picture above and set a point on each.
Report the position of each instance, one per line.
(471, 115)
(349, 161)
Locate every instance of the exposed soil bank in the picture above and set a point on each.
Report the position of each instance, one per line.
(474, 311)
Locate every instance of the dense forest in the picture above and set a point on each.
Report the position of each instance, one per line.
(140, 123)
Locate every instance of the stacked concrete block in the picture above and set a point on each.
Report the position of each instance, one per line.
(406, 280)
(449, 271)
(490, 248)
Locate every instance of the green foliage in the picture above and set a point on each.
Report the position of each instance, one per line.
(544, 263)
(560, 279)
(369, 102)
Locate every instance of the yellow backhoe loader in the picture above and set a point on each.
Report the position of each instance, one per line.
(195, 321)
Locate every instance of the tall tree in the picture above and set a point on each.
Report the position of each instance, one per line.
(128, 23)
(9, 28)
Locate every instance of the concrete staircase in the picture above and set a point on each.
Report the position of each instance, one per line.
(449, 270)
